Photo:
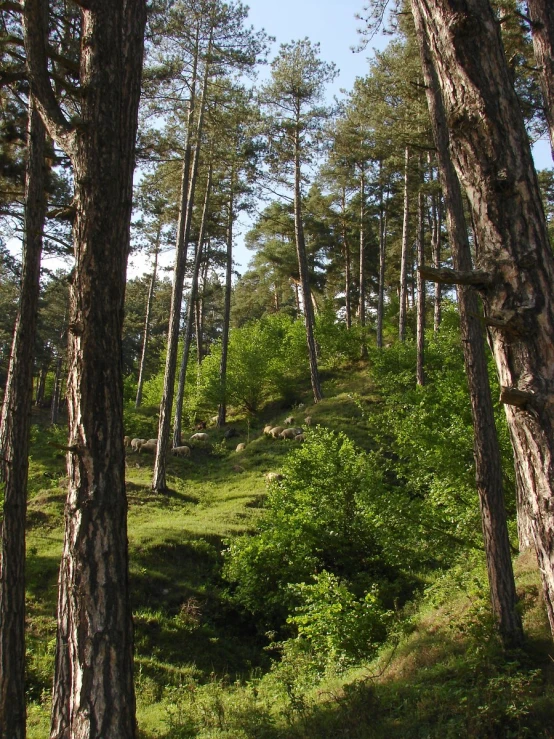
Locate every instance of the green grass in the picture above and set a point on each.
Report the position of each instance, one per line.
(202, 666)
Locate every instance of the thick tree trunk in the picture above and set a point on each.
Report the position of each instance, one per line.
(486, 450)
(93, 695)
(56, 395)
(188, 186)
(149, 303)
(14, 443)
(177, 423)
(541, 13)
(405, 250)
(305, 279)
(420, 332)
(222, 411)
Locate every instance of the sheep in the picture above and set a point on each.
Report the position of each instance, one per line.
(267, 429)
(148, 447)
(289, 420)
(200, 437)
(126, 441)
(275, 431)
(181, 451)
(273, 476)
(136, 443)
(214, 420)
(289, 433)
(152, 441)
(200, 425)
(299, 437)
(308, 420)
(230, 433)
(240, 447)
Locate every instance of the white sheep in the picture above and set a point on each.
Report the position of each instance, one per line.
(148, 447)
(299, 437)
(289, 433)
(273, 476)
(240, 447)
(181, 451)
(289, 420)
(136, 444)
(275, 431)
(267, 429)
(308, 420)
(200, 437)
(126, 441)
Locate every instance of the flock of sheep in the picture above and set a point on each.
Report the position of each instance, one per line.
(289, 431)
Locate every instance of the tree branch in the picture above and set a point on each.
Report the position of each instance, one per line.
(35, 15)
(446, 276)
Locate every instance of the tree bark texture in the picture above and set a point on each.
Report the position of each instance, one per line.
(14, 442)
(149, 302)
(222, 411)
(305, 279)
(187, 340)
(541, 13)
(420, 325)
(188, 187)
(405, 250)
(486, 451)
(93, 695)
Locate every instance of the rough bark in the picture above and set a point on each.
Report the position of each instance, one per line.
(93, 693)
(541, 13)
(177, 423)
(188, 187)
(14, 443)
(222, 411)
(405, 249)
(304, 277)
(486, 450)
(420, 320)
(149, 302)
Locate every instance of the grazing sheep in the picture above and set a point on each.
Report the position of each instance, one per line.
(289, 420)
(289, 433)
(181, 451)
(214, 419)
(299, 437)
(273, 476)
(267, 429)
(126, 441)
(275, 431)
(148, 447)
(200, 437)
(240, 447)
(136, 443)
(152, 441)
(308, 420)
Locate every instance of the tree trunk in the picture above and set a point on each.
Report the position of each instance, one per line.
(188, 186)
(420, 333)
(39, 400)
(404, 255)
(346, 254)
(304, 277)
(200, 314)
(486, 451)
(149, 302)
(361, 306)
(436, 248)
(56, 395)
(93, 695)
(14, 443)
(177, 423)
(222, 411)
(541, 13)
(382, 256)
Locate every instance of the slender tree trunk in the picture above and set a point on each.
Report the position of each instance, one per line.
(420, 334)
(14, 443)
(346, 253)
(486, 450)
(405, 250)
(93, 695)
(304, 277)
(149, 303)
(200, 313)
(541, 13)
(222, 412)
(56, 395)
(436, 247)
(362, 295)
(188, 187)
(382, 256)
(42, 383)
(177, 423)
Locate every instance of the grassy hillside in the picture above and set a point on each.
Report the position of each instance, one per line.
(203, 667)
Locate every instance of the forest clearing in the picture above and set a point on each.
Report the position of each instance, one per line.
(311, 499)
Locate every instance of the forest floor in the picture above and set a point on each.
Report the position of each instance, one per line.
(196, 652)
